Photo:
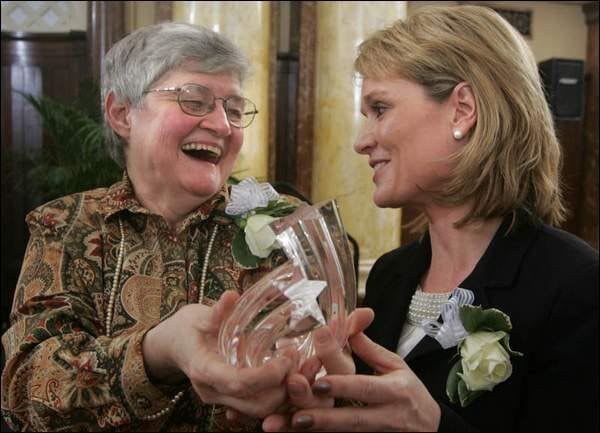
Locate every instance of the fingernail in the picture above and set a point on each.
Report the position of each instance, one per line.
(303, 422)
(320, 387)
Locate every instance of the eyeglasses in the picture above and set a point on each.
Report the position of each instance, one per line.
(197, 100)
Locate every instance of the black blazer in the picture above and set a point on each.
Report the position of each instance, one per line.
(546, 280)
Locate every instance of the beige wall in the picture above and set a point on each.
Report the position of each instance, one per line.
(139, 14)
(247, 24)
(338, 172)
(558, 29)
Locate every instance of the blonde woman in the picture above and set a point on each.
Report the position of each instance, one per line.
(457, 126)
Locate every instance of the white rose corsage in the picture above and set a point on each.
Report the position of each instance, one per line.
(253, 207)
(481, 337)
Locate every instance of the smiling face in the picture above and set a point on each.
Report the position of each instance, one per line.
(408, 138)
(177, 156)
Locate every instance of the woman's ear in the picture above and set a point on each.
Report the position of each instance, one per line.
(464, 109)
(117, 115)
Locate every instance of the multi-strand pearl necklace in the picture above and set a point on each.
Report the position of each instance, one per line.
(113, 294)
(425, 306)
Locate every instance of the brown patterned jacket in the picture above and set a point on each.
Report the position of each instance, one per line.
(62, 371)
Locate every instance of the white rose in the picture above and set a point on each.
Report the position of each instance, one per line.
(259, 236)
(485, 362)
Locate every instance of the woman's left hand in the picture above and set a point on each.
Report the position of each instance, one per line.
(329, 355)
(393, 400)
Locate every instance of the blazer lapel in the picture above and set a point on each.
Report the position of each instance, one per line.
(389, 323)
(391, 305)
(426, 346)
(409, 285)
(497, 268)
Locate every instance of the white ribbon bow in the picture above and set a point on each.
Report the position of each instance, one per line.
(248, 195)
(303, 295)
(451, 331)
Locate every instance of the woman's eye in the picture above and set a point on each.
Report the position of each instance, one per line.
(234, 114)
(378, 109)
(194, 105)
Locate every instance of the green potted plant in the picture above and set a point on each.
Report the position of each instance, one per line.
(78, 159)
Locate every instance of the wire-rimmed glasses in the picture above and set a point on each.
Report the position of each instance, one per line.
(197, 100)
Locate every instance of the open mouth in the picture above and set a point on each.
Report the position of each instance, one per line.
(379, 165)
(203, 152)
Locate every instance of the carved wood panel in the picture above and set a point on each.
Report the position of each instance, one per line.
(41, 64)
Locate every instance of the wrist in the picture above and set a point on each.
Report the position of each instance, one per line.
(160, 366)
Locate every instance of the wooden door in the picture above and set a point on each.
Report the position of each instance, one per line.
(52, 65)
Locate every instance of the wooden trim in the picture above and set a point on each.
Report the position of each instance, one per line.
(272, 144)
(590, 10)
(587, 223)
(49, 65)
(570, 136)
(73, 35)
(106, 25)
(306, 97)
(30, 51)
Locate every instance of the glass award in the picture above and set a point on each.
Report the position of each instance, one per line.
(316, 286)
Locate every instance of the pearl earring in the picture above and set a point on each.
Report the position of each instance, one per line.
(457, 134)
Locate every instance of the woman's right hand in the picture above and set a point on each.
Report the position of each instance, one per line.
(394, 399)
(186, 345)
(329, 355)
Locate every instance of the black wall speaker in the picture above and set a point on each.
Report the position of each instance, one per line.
(565, 87)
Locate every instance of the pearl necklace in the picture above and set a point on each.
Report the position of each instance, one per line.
(425, 306)
(113, 294)
(117, 277)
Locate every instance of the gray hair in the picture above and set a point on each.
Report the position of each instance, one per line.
(140, 59)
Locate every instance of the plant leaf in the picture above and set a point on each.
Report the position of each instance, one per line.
(474, 319)
(506, 346)
(241, 252)
(452, 382)
(276, 209)
(77, 159)
(467, 397)
(232, 180)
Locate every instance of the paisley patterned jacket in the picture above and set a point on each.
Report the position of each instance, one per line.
(62, 371)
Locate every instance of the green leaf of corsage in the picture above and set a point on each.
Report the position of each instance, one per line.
(241, 252)
(484, 355)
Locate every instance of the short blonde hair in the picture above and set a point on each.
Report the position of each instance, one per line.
(512, 159)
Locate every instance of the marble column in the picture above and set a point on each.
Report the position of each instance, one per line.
(247, 24)
(337, 170)
(144, 13)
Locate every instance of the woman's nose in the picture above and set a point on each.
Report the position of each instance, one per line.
(364, 142)
(217, 121)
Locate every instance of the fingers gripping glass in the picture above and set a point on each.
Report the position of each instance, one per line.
(197, 100)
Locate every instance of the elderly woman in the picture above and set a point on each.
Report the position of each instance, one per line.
(457, 127)
(115, 316)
